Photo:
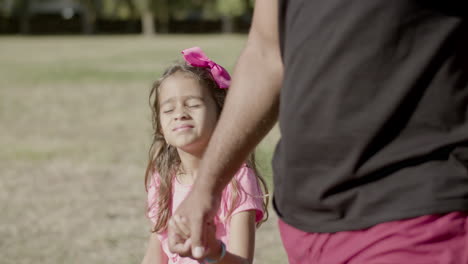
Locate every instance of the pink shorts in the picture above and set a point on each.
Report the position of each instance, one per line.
(431, 239)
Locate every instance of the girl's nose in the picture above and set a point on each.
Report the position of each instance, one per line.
(180, 114)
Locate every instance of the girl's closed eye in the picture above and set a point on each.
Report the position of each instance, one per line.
(167, 110)
(194, 103)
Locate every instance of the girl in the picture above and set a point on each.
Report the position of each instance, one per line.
(186, 103)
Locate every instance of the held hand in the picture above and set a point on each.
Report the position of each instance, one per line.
(179, 237)
(214, 248)
(197, 210)
(213, 245)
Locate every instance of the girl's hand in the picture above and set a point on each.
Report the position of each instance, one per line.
(198, 208)
(179, 236)
(213, 245)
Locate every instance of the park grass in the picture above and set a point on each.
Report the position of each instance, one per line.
(75, 129)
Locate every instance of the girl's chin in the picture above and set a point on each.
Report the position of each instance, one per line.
(192, 148)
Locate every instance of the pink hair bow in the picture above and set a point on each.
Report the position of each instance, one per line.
(195, 57)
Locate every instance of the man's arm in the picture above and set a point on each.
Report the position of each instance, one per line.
(250, 111)
(251, 107)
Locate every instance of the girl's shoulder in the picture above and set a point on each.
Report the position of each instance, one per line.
(245, 181)
(244, 172)
(244, 193)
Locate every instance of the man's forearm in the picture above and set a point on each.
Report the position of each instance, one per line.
(250, 111)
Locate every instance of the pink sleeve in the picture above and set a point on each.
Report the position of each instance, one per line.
(251, 196)
(152, 210)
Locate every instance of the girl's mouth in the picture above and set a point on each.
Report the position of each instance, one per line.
(182, 128)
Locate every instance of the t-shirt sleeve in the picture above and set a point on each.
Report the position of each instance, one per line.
(152, 209)
(250, 194)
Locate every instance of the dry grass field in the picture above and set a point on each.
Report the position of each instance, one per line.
(74, 133)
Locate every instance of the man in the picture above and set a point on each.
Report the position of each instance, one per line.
(372, 165)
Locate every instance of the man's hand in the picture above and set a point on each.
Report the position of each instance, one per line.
(187, 234)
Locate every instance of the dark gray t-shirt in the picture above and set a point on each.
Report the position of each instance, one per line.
(373, 112)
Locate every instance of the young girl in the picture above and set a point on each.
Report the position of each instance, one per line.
(186, 103)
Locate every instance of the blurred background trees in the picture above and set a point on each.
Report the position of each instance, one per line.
(147, 17)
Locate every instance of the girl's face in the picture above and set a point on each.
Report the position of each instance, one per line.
(187, 112)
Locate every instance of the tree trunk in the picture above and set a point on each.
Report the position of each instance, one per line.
(227, 24)
(24, 17)
(24, 25)
(163, 15)
(88, 20)
(147, 23)
(88, 23)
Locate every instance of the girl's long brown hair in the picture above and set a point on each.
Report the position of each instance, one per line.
(164, 159)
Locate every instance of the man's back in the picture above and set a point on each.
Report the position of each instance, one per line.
(373, 112)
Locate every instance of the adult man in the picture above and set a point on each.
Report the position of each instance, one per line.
(373, 112)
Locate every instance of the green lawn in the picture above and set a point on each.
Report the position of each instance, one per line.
(75, 129)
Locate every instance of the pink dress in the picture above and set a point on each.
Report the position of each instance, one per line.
(250, 198)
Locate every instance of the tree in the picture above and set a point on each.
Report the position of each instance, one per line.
(147, 17)
(90, 14)
(162, 11)
(229, 9)
(6, 7)
(24, 6)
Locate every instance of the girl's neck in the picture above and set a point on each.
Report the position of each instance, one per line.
(189, 166)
